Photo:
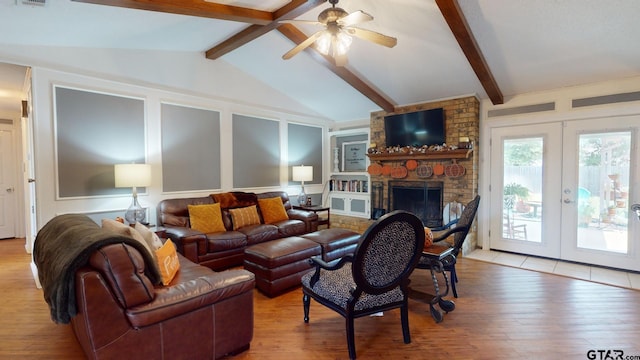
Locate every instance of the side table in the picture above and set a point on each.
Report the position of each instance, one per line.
(316, 209)
(434, 255)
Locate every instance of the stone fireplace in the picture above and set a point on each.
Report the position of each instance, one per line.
(425, 197)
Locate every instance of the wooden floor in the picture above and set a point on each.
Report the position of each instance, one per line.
(502, 313)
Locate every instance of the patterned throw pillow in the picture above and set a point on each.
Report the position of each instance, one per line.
(244, 216)
(206, 218)
(272, 210)
(168, 262)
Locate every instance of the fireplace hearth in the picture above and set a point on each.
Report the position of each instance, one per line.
(422, 198)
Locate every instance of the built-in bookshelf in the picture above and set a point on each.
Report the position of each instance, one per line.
(349, 185)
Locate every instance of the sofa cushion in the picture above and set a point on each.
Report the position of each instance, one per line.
(260, 233)
(224, 241)
(291, 227)
(206, 218)
(168, 262)
(244, 216)
(272, 210)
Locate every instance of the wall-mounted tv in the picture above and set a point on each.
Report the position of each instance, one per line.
(417, 128)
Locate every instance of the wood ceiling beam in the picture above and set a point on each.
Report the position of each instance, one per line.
(460, 28)
(290, 11)
(297, 36)
(262, 22)
(198, 8)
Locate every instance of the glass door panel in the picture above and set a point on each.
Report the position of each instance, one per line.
(522, 189)
(603, 193)
(525, 183)
(599, 185)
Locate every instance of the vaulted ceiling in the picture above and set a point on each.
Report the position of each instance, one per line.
(446, 48)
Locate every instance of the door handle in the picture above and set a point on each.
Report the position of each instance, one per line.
(10, 189)
(31, 180)
(567, 201)
(636, 208)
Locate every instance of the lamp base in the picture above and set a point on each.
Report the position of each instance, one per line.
(135, 212)
(302, 198)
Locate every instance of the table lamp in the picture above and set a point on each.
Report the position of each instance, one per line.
(302, 173)
(133, 176)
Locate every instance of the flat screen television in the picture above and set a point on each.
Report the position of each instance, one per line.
(426, 127)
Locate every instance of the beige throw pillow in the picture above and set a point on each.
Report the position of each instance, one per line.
(149, 236)
(125, 230)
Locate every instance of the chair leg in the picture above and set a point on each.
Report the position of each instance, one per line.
(454, 280)
(306, 302)
(404, 315)
(351, 343)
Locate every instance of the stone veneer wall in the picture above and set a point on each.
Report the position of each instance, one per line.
(462, 119)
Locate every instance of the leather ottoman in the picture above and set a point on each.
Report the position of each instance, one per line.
(279, 264)
(335, 242)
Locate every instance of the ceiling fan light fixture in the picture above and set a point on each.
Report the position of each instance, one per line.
(323, 44)
(342, 43)
(335, 44)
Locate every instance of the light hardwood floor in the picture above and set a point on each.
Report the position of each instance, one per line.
(502, 313)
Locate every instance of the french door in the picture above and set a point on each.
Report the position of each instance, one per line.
(564, 191)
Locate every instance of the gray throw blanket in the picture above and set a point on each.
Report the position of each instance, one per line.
(64, 245)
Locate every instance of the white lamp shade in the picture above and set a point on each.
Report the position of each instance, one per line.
(302, 173)
(132, 175)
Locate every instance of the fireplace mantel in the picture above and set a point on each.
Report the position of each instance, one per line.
(429, 155)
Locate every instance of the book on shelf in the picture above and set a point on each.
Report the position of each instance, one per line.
(349, 185)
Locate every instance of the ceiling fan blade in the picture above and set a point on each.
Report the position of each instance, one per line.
(354, 18)
(303, 45)
(373, 36)
(341, 60)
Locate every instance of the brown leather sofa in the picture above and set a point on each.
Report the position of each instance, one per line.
(201, 314)
(107, 286)
(222, 250)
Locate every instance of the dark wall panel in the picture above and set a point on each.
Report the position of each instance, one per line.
(256, 152)
(94, 131)
(305, 148)
(190, 148)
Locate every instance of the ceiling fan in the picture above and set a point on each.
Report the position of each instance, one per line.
(335, 39)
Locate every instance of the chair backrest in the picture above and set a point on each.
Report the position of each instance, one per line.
(388, 252)
(465, 221)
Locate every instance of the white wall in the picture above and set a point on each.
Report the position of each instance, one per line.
(184, 72)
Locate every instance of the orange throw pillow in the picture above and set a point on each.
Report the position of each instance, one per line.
(244, 216)
(272, 210)
(428, 237)
(206, 218)
(168, 262)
